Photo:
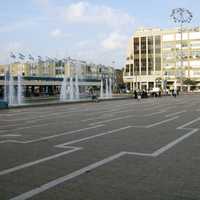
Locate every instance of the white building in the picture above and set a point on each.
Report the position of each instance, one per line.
(154, 58)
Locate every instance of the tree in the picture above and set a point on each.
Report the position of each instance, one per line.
(158, 81)
(119, 80)
(189, 83)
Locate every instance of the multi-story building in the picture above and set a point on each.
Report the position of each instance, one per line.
(156, 58)
(46, 77)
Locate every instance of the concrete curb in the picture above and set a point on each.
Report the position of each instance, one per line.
(46, 104)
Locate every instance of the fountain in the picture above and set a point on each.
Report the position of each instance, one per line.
(107, 92)
(19, 89)
(63, 93)
(71, 89)
(77, 87)
(110, 88)
(11, 92)
(11, 95)
(6, 75)
(101, 91)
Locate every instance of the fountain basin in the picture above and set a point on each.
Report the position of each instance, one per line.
(3, 104)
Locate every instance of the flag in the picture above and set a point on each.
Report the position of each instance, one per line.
(21, 56)
(12, 55)
(30, 57)
(40, 58)
(49, 59)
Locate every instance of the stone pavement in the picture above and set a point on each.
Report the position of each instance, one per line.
(115, 150)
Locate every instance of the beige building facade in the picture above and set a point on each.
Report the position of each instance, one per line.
(156, 58)
(45, 77)
(59, 69)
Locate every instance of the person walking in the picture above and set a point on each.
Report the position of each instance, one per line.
(175, 93)
(139, 96)
(135, 94)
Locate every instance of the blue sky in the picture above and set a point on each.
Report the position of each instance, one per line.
(91, 30)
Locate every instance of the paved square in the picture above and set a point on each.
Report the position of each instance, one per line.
(110, 150)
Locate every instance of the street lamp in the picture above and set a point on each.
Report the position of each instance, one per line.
(181, 16)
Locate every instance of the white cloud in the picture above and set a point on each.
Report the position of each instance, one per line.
(56, 33)
(42, 3)
(97, 32)
(84, 12)
(115, 41)
(21, 24)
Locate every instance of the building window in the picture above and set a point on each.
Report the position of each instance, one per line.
(158, 63)
(136, 66)
(150, 45)
(131, 69)
(143, 66)
(127, 68)
(150, 65)
(143, 45)
(157, 44)
(136, 45)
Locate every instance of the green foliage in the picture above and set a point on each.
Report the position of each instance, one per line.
(188, 81)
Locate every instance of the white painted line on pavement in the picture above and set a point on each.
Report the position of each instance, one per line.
(176, 113)
(93, 136)
(73, 149)
(63, 179)
(154, 107)
(95, 165)
(161, 122)
(175, 142)
(111, 113)
(139, 154)
(15, 125)
(155, 113)
(72, 175)
(11, 135)
(102, 112)
(109, 120)
(25, 127)
(51, 136)
(189, 123)
(96, 118)
(9, 126)
(47, 116)
(29, 164)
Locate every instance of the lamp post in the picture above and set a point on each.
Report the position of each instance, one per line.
(181, 16)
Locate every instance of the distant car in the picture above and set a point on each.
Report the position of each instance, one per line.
(155, 91)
